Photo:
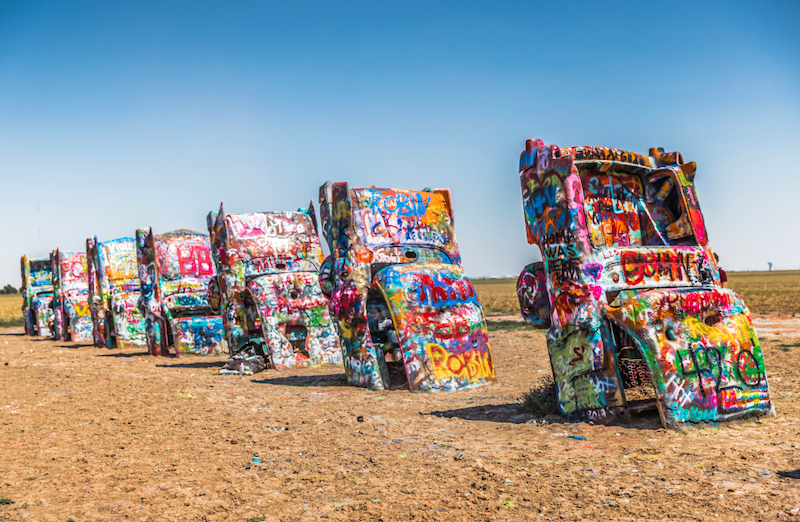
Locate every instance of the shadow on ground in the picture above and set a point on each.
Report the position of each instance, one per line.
(338, 379)
(126, 355)
(508, 413)
(198, 364)
(74, 346)
(486, 412)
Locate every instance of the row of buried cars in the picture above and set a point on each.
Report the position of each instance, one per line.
(628, 290)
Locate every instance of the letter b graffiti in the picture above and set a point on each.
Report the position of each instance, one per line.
(194, 260)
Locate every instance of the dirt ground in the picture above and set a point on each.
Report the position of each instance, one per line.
(94, 434)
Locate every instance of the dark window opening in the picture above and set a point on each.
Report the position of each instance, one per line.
(633, 370)
(297, 334)
(385, 341)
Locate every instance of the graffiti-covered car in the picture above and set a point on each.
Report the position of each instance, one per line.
(114, 293)
(629, 290)
(72, 319)
(37, 295)
(268, 286)
(174, 271)
(408, 314)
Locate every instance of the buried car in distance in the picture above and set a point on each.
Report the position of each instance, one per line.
(408, 314)
(114, 293)
(72, 319)
(174, 271)
(268, 287)
(629, 290)
(37, 295)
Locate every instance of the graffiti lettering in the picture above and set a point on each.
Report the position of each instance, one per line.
(194, 260)
(426, 290)
(671, 266)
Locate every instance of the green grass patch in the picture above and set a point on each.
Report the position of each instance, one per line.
(6, 501)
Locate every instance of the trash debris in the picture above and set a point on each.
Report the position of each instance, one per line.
(360, 418)
(576, 437)
(248, 361)
(185, 396)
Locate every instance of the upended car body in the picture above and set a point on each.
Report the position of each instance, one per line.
(629, 290)
(72, 319)
(174, 271)
(114, 293)
(268, 287)
(37, 295)
(408, 314)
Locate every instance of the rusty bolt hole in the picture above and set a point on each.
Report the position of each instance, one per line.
(411, 254)
(712, 319)
(280, 266)
(294, 294)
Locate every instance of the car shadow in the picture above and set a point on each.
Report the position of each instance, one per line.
(793, 474)
(75, 346)
(334, 379)
(198, 364)
(507, 413)
(124, 354)
(485, 412)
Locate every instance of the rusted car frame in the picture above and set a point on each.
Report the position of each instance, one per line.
(114, 293)
(175, 269)
(408, 314)
(268, 287)
(71, 315)
(37, 295)
(629, 290)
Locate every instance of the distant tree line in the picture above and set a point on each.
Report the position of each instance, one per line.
(8, 289)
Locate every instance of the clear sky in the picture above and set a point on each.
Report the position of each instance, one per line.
(118, 115)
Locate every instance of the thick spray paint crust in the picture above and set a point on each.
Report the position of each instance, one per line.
(440, 325)
(268, 286)
(398, 290)
(114, 293)
(37, 295)
(175, 269)
(629, 290)
(71, 313)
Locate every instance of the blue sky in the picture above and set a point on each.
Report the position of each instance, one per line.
(119, 115)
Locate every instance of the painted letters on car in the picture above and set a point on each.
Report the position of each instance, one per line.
(408, 314)
(37, 295)
(71, 315)
(175, 269)
(268, 287)
(114, 293)
(629, 290)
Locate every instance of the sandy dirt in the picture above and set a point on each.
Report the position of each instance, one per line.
(92, 434)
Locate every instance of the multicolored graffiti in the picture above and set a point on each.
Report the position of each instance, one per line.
(268, 287)
(72, 319)
(114, 293)
(630, 292)
(408, 315)
(37, 295)
(703, 350)
(175, 269)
